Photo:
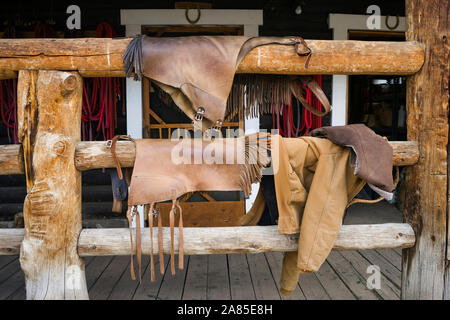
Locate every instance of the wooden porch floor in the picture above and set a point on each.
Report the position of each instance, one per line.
(228, 277)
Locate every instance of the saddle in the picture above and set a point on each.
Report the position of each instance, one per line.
(165, 170)
(198, 71)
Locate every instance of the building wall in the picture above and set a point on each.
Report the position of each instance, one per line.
(279, 16)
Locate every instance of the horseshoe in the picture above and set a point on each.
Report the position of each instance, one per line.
(186, 13)
(397, 21)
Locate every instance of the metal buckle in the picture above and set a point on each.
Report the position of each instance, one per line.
(200, 113)
(218, 125)
(214, 130)
(155, 212)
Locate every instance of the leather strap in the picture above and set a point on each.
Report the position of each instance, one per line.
(306, 52)
(138, 243)
(355, 200)
(130, 223)
(150, 225)
(180, 240)
(296, 89)
(112, 145)
(133, 212)
(160, 245)
(172, 245)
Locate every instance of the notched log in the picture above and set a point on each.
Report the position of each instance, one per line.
(52, 210)
(42, 203)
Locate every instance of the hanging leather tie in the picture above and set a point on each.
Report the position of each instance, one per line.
(138, 243)
(296, 89)
(151, 214)
(130, 223)
(112, 145)
(303, 50)
(160, 245)
(180, 239)
(380, 198)
(131, 213)
(172, 245)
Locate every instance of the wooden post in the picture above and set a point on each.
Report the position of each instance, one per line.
(49, 111)
(427, 122)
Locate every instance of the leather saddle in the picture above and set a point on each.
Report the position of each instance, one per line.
(198, 71)
(165, 170)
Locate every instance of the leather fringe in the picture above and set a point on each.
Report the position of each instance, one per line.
(132, 58)
(256, 94)
(250, 95)
(257, 147)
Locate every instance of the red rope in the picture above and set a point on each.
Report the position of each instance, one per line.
(100, 97)
(44, 30)
(8, 99)
(308, 121)
(8, 108)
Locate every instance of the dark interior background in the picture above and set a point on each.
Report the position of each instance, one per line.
(279, 16)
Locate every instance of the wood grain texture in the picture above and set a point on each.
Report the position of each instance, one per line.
(10, 241)
(95, 154)
(427, 122)
(8, 74)
(103, 57)
(243, 239)
(221, 240)
(52, 207)
(206, 214)
(11, 159)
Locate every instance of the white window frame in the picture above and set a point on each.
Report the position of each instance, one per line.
(341, 24)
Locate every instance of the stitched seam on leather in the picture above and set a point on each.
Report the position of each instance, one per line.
(321, 216)
(195, 87)
(362, 146)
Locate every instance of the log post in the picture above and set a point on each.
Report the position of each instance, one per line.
(49, 112)
(427, 122)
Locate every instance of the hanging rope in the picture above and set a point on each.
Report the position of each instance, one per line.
(8, 98)
(44, 30)
(100, 97)
(8, 108)
(283, 114)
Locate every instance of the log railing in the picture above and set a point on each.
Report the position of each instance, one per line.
(106, 242)
(98, 57)
(95, 155)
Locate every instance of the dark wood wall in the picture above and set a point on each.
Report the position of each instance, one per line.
(279, 16)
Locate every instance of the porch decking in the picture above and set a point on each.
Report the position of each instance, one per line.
(228, 277)
(238, 276)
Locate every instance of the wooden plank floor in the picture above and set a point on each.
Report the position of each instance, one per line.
(230, 277)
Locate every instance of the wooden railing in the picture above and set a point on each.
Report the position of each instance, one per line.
(53, 240)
